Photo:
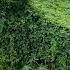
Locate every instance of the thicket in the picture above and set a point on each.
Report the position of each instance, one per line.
(29, 42)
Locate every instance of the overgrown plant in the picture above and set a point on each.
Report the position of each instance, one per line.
(30, 42)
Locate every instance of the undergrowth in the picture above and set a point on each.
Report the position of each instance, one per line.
(29, 42)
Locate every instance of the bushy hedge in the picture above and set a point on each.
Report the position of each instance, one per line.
(29, 42)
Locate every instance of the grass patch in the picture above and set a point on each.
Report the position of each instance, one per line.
(56, 11)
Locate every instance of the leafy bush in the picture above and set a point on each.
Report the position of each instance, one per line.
(29, 42)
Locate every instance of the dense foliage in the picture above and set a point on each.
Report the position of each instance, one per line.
(57, 11)
(30, 42)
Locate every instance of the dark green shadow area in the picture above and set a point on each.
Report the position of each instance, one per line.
(28, 41)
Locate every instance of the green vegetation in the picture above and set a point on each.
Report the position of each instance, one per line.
(56, 11)
(29, 40)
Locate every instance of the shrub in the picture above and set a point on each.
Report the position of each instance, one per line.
(29, 42)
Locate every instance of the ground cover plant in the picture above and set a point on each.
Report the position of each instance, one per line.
(55, 11)
(28, 41)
